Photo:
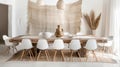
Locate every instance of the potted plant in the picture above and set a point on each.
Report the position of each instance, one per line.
(92, 21)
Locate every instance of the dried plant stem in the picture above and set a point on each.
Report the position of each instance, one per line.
(92, 21)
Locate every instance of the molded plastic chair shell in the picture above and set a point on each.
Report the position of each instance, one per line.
(75, 44)
(26, 43)
(58, 44)
(42, 44)
(91, 44)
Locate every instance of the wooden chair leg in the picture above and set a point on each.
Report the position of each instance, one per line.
(36, 52)
(23, 52)
(46, 55)
(30, 55)
(94, 55)
(54, 55)
(38, 55)
(20, 57)
(63, 55)
(86, 56)
(71, 56)
(79, 55)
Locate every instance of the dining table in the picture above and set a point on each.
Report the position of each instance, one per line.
(67, 39)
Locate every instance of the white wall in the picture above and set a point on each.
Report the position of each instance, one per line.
(87, 6)
(8, 2)
(21, 17)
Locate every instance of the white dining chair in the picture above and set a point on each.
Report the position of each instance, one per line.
(58, 45)
(74, 45)
(107, 46)
(47, 34)
(42, 45)
(91, 45)
(27, 45)
(9, 44)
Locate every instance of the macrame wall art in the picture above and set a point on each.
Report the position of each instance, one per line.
(43, 18)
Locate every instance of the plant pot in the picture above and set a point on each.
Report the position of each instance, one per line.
(93, 32)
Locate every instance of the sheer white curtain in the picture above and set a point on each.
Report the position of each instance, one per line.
(115, 20)
(111, 22)
(106, 18)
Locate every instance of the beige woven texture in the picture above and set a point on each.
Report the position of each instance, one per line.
(44, 18)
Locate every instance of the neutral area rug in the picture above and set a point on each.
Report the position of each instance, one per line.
(102, 58)
(7, 60)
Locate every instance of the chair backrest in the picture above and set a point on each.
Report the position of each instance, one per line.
(110, 38)
(75, 44)
(109, 41)
(26, 43)
(5, 37)
(58, 44)
(6, 40)
(42, 44)
(91, 44)
(46, 34)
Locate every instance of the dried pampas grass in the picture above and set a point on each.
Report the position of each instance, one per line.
(92, 21)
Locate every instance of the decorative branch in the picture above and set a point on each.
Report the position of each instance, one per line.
(92, 21)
